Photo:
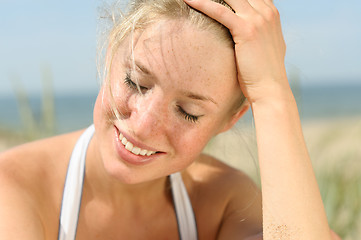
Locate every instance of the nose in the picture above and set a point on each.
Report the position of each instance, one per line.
(148, 116)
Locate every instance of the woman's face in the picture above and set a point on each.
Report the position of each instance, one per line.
(188, 86)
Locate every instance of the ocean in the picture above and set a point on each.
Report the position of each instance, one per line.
(73, 112)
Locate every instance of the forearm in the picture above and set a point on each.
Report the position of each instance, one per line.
(292, 205)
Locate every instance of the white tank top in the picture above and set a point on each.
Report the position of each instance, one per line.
(73, 187)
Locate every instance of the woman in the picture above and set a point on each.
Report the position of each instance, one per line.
(174, 79)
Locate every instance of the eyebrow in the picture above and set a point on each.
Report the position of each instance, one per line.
(188, 94)
(143, 68)
(199, 97)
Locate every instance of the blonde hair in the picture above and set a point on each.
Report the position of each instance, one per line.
(143, 13)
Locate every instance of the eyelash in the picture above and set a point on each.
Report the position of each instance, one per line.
(132, 85)
(187, 116)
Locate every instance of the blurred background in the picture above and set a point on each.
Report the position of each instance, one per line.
(48, 85)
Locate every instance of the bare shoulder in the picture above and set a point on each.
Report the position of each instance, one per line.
(31, 161)
(230, 192)
(30, 176)
(218, 175)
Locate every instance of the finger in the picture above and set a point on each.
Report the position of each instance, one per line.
(262, 8)
(241, 7)
(272, 6)
(216, 11)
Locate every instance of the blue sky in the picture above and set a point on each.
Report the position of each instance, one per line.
(323, 42)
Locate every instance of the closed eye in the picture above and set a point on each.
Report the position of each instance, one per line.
(132, 85)
(187, 116)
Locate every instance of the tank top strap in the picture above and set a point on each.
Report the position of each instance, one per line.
(187, 225)
(73, 187)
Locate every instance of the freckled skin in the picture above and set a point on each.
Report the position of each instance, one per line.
(180, 64)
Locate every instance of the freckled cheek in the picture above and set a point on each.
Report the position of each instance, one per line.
(189, 142)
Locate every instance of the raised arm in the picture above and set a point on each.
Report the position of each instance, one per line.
(292, 205)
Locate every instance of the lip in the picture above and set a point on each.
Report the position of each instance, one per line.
(135, 142)
(129, 157)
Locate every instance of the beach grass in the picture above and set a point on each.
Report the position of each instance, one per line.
(33, 127)
(335, 147)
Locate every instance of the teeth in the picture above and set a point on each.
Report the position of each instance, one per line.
(143, 152)
(135, 150)
(129, 146)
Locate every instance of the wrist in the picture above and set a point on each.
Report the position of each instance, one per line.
(270, 94)
(277, 108)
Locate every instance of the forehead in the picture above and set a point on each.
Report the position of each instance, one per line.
(183, 54)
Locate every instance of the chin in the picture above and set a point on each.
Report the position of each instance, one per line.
(130, 175)
(121, 173)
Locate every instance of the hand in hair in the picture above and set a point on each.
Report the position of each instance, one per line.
(259, 44)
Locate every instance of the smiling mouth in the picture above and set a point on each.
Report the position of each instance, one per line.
(134, 149)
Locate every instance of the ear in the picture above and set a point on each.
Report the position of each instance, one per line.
(235, 117)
